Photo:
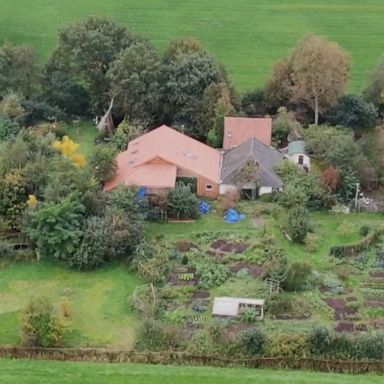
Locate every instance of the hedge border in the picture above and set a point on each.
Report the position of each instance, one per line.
(353, 249)
(120, 356)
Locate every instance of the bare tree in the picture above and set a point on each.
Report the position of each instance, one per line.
(246, 174)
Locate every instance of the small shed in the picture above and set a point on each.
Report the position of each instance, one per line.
(297, 154)
(234, 306)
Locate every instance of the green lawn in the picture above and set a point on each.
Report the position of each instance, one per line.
(84, 134)
(100, 311)
(53, 372)
(248, 36)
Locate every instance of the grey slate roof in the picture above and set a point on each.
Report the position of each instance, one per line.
(266, 157)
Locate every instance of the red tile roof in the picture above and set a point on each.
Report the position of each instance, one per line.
(170, 146)
(238, 130)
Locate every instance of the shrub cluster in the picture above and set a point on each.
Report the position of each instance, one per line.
(326, 343)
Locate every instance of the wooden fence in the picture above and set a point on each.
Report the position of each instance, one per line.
(118, 356)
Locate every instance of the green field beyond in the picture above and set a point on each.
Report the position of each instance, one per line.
(53, 372)
(248, 36)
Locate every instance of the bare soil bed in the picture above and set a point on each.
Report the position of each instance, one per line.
(185, 246)
(374, 303)
(201, 295)
(340, 307)
(229, 247)
(254, 270)
(349, 326)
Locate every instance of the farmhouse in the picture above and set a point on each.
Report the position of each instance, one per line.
(238, 130)
(265, 159)
(158, 158)
(233, 306)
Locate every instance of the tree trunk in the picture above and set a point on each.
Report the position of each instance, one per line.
(316, 111)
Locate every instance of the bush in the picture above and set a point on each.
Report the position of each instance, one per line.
(364, 230)
(155, 336)
(311, 242)
(56, 228)
(287, 345)
(7, 250)
(65, 307)
(276, 266)
(297, 277)
(298, 223)
(96, 246)
(125, 133)
(252, 341)
(8, 128)
(126, 211)
(202, 343)
(320, 340)
(103, 163)
(41, 327)
(249, 315)
(13, 197)
(280, 305)
(182, 203)
(370, 346)
(326, 343)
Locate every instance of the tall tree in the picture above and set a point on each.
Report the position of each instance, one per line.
(187, 70)
(11, 107)
(320, 71)
(59, 89)
(216, 103)
(134, 78)
(374, 92)
(353, 111)
(86, 50)
(278, 90)
(18, 69)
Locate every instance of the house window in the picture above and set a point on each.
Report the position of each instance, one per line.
(301, 160)
(208, 187)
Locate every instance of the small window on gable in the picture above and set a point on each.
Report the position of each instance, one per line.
(301, 160)
(208, 187)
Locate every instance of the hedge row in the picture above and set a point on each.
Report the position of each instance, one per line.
(353, 249)
(112, 356)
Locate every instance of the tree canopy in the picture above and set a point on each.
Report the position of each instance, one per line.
(85, 51)
(134, 79)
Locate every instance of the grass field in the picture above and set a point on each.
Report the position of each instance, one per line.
(248, 36)
(84, 134)
(100, 312)
(44, 372)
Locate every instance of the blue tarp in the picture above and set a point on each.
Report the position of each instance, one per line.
(233, 216)
(204, 207)
(141, 193)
